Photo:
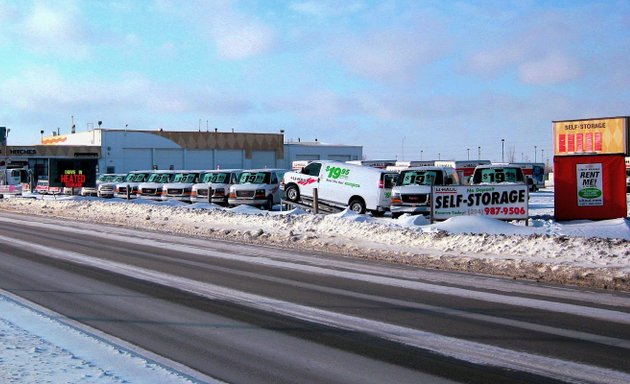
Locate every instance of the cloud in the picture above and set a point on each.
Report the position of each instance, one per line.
(551, 69)
(234, 34)
(323, 8)
(44, 89)
(55, 29)
(388, 54)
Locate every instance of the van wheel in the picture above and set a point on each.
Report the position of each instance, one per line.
(357, 205)
(293, 193)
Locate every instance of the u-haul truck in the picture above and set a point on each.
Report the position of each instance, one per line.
(12, 181)
(464, 168)
(341, 185)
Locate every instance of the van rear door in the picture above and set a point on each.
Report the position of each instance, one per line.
(387, 182)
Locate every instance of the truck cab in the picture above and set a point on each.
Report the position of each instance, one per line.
(180, 188)
(412, 192)
(499, 174)
(214, 186)
(258, 188)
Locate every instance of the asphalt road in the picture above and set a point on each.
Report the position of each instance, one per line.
(246, 314)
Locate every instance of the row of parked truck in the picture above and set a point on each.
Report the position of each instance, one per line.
(333, 184)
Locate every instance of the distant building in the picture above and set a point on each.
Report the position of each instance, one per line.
(123, 150)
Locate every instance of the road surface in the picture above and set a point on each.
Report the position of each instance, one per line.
(243, 313)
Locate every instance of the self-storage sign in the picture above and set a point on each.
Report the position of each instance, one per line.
(505, 202)
(592, 136)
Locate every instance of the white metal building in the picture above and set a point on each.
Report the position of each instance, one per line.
(126, 150)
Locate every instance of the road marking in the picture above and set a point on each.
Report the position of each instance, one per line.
(473, 352)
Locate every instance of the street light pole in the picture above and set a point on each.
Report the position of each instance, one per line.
(535, 153)
(479, 153)
(468, 153)
(503, 150)
(421, 154)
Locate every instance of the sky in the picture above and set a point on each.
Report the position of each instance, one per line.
(407, 80)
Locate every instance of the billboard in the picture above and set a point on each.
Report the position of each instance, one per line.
(73, 173)
(589, 187)
(499, 201)
(590, 137)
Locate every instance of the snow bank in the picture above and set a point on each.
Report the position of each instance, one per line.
(594, 254)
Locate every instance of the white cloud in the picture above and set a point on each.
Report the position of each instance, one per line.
(392, 54)
(551, 69)
(238, 39)
(323, 8)
(56, 29)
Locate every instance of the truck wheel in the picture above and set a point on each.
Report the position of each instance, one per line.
(357, 205)
(293, 193)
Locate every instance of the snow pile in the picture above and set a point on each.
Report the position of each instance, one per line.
(593, 254)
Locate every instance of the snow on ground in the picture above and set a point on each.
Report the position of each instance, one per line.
(587, 253)
(39, 346)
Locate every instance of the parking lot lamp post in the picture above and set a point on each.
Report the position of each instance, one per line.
(503, 150)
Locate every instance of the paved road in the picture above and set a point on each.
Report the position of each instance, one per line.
(254, 314)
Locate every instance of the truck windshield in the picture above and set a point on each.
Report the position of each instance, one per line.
(500, 175)
(220, 177)
(135, 177)
(255, 178)
(420, 178)
(185, 177)
(162, 178)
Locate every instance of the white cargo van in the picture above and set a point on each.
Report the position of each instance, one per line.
(180, 188)
(257, 187)
(216, 184)
(107, 188)
(342, 185)
(152, 188)
(131, 182)
(412, 192)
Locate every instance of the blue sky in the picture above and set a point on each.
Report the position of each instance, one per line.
(404, 79)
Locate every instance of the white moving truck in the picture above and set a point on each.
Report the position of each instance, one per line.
(12, 180)
(129, 186)
(412, 192)
(215, 185)
(342, 185)
(257, 187)
(464, 168)
(180, 188)
(152, 188)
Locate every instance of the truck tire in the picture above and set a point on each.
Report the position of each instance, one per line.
(292, 193)
(357, 205)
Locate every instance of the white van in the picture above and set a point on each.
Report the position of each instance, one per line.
(131, 182)
(342, 185)
(257, 187)
(412, 192)
(152, 188)
(215, 183)
(180, 188)
(107, 188)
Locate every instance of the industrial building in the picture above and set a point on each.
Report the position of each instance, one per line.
(122, 150)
